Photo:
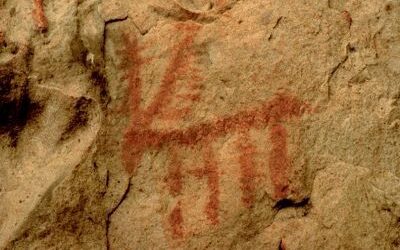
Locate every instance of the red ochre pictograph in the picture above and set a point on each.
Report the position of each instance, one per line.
(39, 16)
(140, 137)
(247, 169)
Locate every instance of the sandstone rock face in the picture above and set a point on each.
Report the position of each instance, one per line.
(199, 124)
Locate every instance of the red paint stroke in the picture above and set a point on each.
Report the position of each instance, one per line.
(132, 153)
(210, 171)
(174, 178)
(178, 65)
(247, 169)
(279, 163)
(139, 137)
(175, 219)
(39, 16)
(181, 57)
(282, 106)
(347, 17)
(133, 149)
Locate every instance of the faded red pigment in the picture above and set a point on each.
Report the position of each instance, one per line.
(210, 171)
(142, 118)
(174, 178)
(281, 107)
(347, 17)
(39, 16)
(174, 182)
(179, 65)
(247, 168)
(175, 219)
(279, 161)
(140, 137)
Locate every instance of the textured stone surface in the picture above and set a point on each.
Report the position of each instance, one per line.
(199, 124)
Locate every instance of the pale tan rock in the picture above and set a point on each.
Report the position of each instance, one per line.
(200, 124)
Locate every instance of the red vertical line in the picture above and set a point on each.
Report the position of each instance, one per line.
(247, 169)
(174, 182)
(39, 16)
(175, 219)
(133, 145)
(174, 177)
(136, 62)
(279, 161)
(211, 172)
(178, 65)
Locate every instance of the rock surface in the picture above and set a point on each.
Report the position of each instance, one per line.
(199, 124)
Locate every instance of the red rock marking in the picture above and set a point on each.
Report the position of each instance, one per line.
(39, 16)
(142, 118)
(210, 171)
(247, 169)
(175, 220)
(174, 178)
(133, 149)
(139, 137)
(178, 65)
(281, 107)
(347, 16)
(134, 62)
(174, 182)
(279, 163)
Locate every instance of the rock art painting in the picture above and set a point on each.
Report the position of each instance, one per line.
(199, 124)
(140, 137)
